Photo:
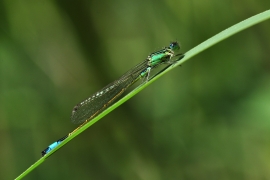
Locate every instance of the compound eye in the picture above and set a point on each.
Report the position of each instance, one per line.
(174, 46)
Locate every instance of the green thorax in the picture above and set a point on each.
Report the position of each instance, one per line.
(163, 55)
(160, 57)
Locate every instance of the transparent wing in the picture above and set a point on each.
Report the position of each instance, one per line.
(98, 102)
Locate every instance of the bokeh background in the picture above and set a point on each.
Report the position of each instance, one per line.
(209, 119)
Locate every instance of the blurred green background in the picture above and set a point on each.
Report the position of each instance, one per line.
(209, 119)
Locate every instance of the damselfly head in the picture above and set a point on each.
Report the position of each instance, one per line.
(174, 46)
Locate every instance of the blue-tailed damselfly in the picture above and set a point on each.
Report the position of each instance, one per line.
(98, 102)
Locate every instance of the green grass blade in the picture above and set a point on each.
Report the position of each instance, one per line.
(201, 47)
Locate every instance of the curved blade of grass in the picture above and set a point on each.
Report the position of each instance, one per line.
(201, 47)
